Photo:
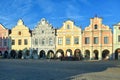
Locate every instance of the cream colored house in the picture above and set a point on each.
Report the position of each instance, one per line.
(20, 40)
(68, 40)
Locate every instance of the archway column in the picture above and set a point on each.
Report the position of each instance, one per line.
(91, 54)
(100, 55)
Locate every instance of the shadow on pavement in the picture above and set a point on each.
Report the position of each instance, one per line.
(12, 69)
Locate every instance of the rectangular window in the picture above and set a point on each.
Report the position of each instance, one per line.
(19, 42)
(95, 40)
(13, 42)
(87, 40)
(60, 41)
(43, 41)
(36, 41)
(67, 41)
(39, 41)
(25, 42)
(68, 26)
(42, 31)
(119, 38)
(32, 41)
(0, 42)
(5, 42)
(76, 40)
(105, 40)
(96, 26)
(50, 41)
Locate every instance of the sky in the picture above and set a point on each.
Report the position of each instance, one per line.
(58, 11)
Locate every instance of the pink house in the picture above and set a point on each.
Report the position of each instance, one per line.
(97, 40)
(4, 45)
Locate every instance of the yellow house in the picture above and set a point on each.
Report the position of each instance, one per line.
(68, 40)
(20, 40)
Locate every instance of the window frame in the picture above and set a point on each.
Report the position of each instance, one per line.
(76, 40)
(13, 42)
(60, 40)
(68, 26)
(106, 40)
(0, 41)
(5, 42)
(25, 41)
(95, 26)
(19, 42)
(87, 40)
(67, 40)
(43, 41)
(96, 40)
(118, 38)
(50, 41)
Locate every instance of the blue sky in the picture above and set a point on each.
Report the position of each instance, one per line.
(58, 11)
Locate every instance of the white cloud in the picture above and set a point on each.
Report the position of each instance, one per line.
(4, 18)
(47, 6)
(73, 12)
(21, 7)
(12, 10)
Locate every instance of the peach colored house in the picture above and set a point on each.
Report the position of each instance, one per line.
(4, 46)
(97, 40)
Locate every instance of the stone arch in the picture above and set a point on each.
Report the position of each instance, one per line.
(117, 54)
(42, 54)
(87, 54)
(95, 54)
(13, 54)
(20, 53)
(34, 54)
(59, 53)
(105, 54)
(6, 54)
(68, 52)
(77, 53)
(27, 52)
(50, 54)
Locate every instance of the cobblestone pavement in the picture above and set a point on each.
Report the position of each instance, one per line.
(58, 70)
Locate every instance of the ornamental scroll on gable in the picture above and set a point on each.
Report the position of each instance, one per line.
(20, 22)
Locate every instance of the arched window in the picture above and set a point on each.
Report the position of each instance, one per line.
(68, 26)
(19, 33)
(96, 26)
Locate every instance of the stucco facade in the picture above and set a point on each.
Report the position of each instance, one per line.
(43, 39)
(68, 40)
(20, 40)
(4, 41)
(116, 41)
(97, 40)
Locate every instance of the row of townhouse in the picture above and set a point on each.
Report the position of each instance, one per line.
(96, 41)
